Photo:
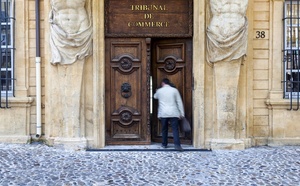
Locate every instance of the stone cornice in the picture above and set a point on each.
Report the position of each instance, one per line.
(280, 103)
(18, 101)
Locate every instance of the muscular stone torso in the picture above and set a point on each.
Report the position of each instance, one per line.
(71, 30)
(228, 16)
(70, 15)
(227, 31)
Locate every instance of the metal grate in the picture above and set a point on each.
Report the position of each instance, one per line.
(291, 53)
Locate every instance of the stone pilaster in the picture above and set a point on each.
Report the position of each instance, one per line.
(227, 76)
(226, 86)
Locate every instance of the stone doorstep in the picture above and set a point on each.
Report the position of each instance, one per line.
(152, 147)
(79, 144)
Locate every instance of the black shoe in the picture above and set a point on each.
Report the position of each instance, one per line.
(179, 148)
(164, 146)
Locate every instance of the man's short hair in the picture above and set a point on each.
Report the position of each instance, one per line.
(166, 81)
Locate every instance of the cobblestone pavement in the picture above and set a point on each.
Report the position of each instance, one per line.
(40, 165)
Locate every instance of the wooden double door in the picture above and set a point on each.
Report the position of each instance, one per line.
(134, 68)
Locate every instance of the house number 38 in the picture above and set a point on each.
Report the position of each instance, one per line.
(260, 34)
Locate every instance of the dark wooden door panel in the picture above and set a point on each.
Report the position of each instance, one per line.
(172, 58)
(126, 91)
(127, 86)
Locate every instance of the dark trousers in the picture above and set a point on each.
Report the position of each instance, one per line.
(174, 123)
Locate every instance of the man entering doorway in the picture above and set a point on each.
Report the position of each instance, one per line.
(170, 109)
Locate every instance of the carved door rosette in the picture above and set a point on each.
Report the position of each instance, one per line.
(171, 65)
(126, 115)
(126, 119)
(125, 63)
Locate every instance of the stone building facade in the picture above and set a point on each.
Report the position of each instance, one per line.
(264, 114)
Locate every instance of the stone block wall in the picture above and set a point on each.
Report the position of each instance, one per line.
(261, 74)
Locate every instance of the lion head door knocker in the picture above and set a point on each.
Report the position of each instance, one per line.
(126, 90)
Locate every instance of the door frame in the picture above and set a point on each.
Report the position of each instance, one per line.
(98, 110)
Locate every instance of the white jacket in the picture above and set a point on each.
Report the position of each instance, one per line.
(169, 102)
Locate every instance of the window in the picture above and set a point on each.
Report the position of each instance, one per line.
(291, 50)
(7, 48)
